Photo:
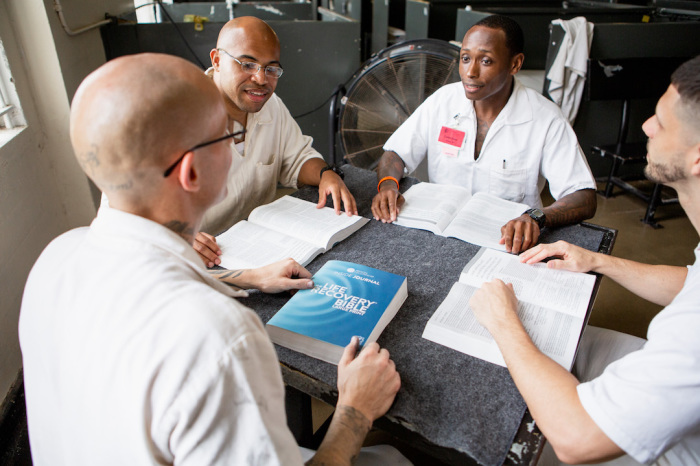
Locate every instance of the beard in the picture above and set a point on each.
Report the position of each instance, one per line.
(664, 174)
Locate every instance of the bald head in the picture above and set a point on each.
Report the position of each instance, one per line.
(247, 28)
(134, 115)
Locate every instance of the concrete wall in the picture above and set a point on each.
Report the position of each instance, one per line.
(43, 192)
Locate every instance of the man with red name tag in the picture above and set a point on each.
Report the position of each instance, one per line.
(489, 133)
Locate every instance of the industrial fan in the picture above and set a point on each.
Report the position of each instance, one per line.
(386, 91)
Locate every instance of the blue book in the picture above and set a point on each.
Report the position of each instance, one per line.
(347, 300)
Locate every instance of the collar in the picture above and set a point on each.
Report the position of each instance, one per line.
(516, 111)
(117, 227)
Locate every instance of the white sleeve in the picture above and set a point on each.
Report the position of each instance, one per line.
(410, 140)
(563, 163)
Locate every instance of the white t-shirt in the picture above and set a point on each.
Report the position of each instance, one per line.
(648, 402)
(133, 354)
(530, 142)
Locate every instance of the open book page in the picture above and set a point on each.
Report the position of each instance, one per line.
(551, 306)
(561, 290)
(247, 245)
(431, 206)
(480, 220)
(302, 219)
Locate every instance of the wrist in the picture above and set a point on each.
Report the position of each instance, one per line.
(537, 215)
(390, 181)
(333, 169)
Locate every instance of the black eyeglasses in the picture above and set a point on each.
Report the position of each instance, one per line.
(170, 169)
(253, 68)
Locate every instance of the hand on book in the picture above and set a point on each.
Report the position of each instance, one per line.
(280, 276)
(368, 381)
(568, 256)
(332, 185)
(208, 250)
(387, 203)
(520, 234)
(495, 305)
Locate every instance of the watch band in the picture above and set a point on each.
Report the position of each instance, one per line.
(334, 169)
(537, 215)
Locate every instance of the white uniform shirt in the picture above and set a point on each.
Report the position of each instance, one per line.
(528, 143)
(649, 401)
(274, 152)
(134, 355)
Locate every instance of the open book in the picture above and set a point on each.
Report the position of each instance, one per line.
(552, 306)
(452, 211)
(287, 227)
(348, 299)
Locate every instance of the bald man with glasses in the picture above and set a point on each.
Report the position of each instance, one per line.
(246, 68)
(132, 352)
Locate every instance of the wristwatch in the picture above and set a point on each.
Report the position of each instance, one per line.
(537, 215)
(334, 169)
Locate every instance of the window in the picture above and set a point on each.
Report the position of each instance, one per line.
(10, 111)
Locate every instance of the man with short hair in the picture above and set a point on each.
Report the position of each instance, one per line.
(132, 352)
(246, 68)
(639, 398)
(489, 133)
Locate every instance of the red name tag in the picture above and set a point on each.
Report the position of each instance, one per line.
(451, 136)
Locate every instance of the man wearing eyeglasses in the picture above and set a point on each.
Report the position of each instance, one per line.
(246, 68)
(132, 352)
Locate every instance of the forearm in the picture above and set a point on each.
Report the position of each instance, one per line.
(309, 174)
(390, 165)
(550, 393)
(572, 208)
(658, 284)
(243, 279)
(344, 438)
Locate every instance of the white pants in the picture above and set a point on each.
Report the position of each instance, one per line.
(599, 347)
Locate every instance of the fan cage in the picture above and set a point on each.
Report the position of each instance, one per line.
(387, 90)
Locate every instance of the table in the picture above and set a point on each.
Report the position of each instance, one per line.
(458, 408)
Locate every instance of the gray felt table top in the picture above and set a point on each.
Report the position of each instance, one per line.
(447, 398)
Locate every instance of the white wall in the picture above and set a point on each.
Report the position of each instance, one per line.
(43, 192)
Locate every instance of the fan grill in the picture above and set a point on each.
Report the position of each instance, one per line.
(384, 96)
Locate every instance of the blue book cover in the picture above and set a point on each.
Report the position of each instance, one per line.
(347, 299)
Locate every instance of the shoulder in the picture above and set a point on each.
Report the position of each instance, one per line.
(542, 107)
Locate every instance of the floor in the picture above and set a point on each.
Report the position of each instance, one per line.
(615, 308)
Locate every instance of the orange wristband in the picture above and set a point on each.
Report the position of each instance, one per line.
(388, 178)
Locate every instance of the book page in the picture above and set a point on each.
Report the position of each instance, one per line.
(480, 220)
(454, 325)
(247, 245)
(560, 290)
(431, 206)
(292, 216)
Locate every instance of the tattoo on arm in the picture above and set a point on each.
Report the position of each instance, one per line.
(572, 208)
(230, 274)
(344, 438)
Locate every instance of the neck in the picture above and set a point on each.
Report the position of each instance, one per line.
(688, 200)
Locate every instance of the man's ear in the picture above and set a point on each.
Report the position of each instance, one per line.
(695, 160)
(214, 55)
(516, 63)
(188, 175)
